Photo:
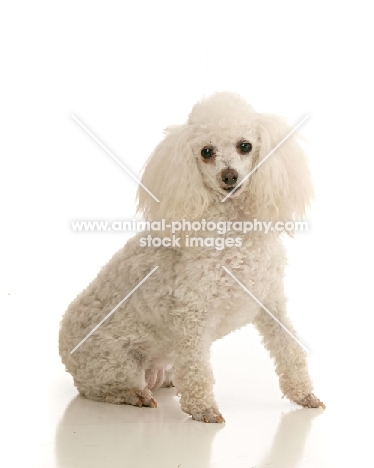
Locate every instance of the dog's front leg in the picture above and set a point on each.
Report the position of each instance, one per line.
(194, 377)
(289, 357)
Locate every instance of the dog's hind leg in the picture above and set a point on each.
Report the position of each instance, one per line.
(116, 394)
(168, 379)
(114, 376)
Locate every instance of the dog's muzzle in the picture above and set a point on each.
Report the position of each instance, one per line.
(229, 178)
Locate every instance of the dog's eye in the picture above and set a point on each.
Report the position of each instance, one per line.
(244, 147)
(207, 152)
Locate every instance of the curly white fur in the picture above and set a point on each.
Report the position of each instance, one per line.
(170, 322)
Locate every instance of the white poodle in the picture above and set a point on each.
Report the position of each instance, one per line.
(162, 334)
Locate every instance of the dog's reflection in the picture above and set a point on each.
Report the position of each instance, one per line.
(102, 435)
(289, 440)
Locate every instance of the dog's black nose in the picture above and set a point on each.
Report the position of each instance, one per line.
(229, 176)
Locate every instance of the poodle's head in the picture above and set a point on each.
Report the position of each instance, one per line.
(201, 162)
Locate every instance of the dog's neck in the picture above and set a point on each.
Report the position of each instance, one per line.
(234, 208)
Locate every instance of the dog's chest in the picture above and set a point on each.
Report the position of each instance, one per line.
(221, 282)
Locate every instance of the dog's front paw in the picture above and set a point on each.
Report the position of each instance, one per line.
(208, 416)
(311, 401)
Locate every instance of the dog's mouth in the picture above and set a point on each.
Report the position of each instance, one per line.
(231, 188)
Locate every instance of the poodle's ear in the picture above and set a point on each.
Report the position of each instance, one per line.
(172, 175)
(281, 188)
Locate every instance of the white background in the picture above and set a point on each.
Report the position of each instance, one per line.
(129, 69)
